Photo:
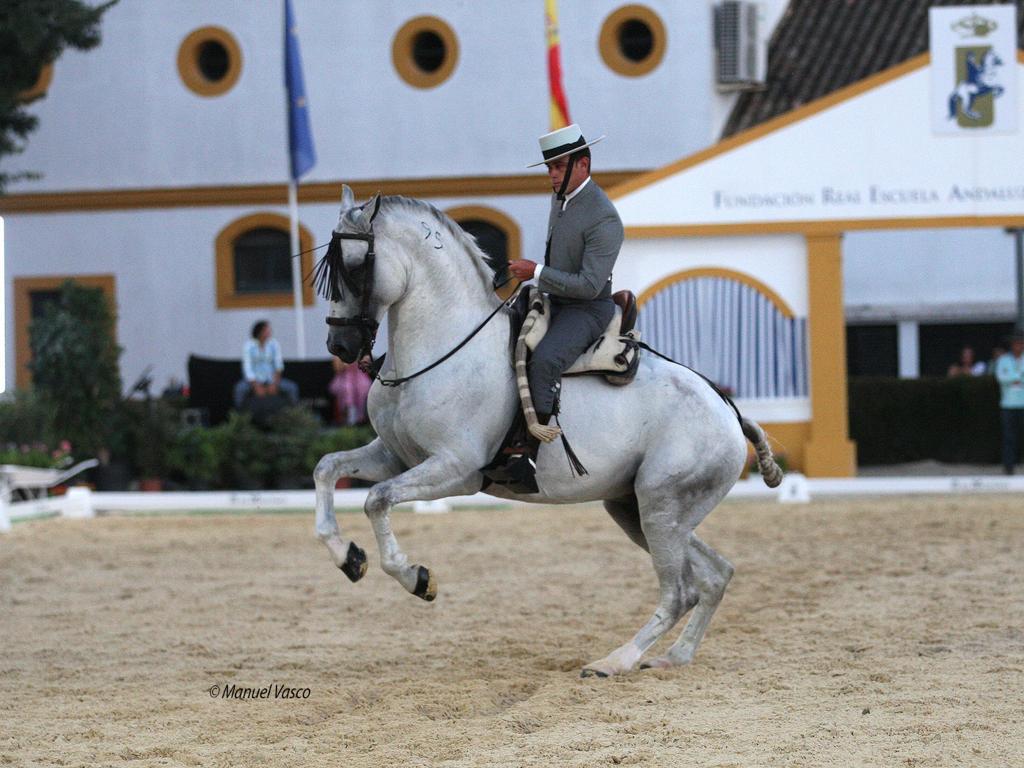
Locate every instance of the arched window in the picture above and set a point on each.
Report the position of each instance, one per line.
(632, 40)
(254, 265)
(210, 61)
(730, 327)
(496, 234)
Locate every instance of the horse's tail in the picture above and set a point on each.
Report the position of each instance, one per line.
(770, 470)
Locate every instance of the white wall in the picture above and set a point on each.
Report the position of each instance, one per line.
(778, 261)
(909, 271)
(872, 156)
(119, 116)
(164, 263)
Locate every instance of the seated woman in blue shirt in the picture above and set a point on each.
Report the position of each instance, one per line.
(262, 365)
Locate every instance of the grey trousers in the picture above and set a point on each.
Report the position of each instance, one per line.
(573, 328)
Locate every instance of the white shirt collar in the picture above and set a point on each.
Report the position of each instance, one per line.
(575, 192)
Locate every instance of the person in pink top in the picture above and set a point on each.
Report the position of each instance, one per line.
(349, 388)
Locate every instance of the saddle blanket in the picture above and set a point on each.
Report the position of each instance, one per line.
(615, 355)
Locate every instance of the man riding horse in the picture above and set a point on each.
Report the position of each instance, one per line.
(584, 237)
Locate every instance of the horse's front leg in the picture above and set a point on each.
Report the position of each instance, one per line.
(371, 462)
(437, 477)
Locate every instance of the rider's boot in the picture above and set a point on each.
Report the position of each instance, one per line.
(522, 463)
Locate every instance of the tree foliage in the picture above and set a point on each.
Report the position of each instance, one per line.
(34, 33)
(75, 366)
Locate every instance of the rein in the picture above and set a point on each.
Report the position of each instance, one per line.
(718, 390)
(402, 380)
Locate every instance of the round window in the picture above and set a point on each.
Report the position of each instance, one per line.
(209, 61)
(40, 86)
(425, 52)
(632, 40)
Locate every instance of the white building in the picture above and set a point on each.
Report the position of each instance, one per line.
(163, 152)
(164, 149)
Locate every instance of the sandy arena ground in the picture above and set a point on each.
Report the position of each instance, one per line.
(873, 632)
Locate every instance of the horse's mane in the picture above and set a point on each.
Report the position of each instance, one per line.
(494, 264)
(329, 267)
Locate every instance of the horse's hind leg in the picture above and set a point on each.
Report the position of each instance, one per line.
(712, 573)
(370, 462)
(626, 513)
(668, 514)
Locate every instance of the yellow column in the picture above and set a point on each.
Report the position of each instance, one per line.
(829, 452)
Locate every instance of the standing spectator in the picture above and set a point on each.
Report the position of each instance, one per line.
(997, 352)
(967, 365)
(262, 365)
(349, 388)
(1010, 375)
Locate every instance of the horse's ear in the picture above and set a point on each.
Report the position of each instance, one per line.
(348, 199)
(370, 209)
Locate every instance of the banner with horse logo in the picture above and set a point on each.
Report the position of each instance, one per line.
(974, 68)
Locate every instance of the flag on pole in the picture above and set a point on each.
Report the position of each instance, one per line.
(559, 104)
(300, 136)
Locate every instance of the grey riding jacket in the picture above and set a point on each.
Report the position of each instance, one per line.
(585, 240)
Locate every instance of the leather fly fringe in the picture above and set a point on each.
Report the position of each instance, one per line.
(327, 271)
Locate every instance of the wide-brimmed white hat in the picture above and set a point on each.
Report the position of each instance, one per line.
(562, 142)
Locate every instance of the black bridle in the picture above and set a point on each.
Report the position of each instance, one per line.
(331, 269)
(361, 289)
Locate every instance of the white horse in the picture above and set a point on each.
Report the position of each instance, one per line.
(661, 452)
(979, 81)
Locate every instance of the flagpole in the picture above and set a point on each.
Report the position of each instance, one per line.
(293, 211)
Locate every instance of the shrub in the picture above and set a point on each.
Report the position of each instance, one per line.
(74, 365)
(292, 431)
(243, 453)
(341, 439)
(24, 419)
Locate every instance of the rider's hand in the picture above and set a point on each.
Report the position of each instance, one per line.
(523, 269)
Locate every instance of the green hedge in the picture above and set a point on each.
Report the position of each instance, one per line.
(149, 440)
(953, 420)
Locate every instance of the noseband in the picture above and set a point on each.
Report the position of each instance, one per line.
(364, 322)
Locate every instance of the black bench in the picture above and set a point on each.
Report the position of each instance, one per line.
(211, 383)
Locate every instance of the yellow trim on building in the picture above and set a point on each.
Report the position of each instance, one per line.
(402, 52)
(277, 194)
(729, 274)
(828, 452)
(823, 227)
(775, 124)
(188, 61)
(24, 287)
(224, 249)
(611, 51)
(39, 87)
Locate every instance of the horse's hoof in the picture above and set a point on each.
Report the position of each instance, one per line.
(426, 587)
(588, 672)
(355, 563)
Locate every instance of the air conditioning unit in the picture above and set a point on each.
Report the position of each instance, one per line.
(740, 51)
